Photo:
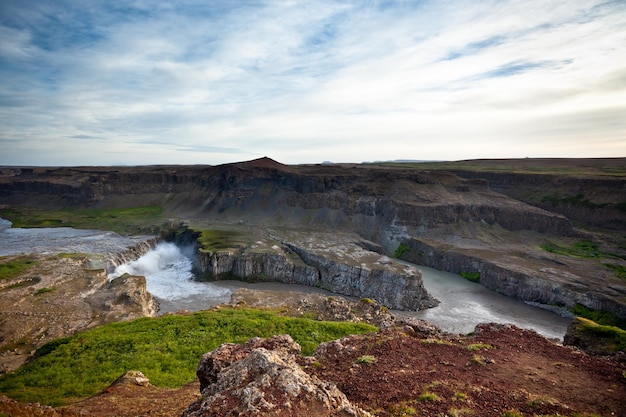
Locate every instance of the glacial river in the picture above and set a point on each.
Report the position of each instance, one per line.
(168, 268)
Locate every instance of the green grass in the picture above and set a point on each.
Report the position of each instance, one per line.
(12, 268)
(166, 349)
(605, 318)
(613, 337)
(124, 220)
(44, 290)
(582, 249)
(620, 270)
(366, 359)
(478, 346)
(576, 200)
(401, 250)
(211, 240)
(428, 396)
(470, 276)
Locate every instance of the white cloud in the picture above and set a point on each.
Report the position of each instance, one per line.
(310, 81)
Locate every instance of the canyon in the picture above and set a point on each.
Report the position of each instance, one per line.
(473, 217)
(358, 230)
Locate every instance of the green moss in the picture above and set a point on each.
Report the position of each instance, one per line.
(402, 250)
(44, 290)
(166, 349)
(470, 276)
(212, 240)
(15, 267)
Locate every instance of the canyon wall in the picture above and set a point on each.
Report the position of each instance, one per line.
(359, 273)
(518, 279)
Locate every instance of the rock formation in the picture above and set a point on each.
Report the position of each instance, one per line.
(495, 218)
(335, 262)
(262, 377)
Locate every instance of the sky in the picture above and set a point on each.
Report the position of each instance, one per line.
(143, 82)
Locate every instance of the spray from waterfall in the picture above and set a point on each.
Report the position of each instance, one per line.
(168, 272)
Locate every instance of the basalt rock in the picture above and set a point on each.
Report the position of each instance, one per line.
(538, 277)
(262, 378)
(336, 262)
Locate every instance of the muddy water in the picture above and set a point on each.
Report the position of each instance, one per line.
(168, 273)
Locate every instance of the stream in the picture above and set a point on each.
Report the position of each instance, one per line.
(169, 277)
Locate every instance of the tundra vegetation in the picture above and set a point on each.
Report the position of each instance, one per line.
(166, 349)
(124, 221)
(12, 268)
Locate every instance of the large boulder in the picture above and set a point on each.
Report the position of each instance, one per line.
(262, 378)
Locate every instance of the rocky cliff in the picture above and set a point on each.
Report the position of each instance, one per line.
(333, 262)
(535, 275)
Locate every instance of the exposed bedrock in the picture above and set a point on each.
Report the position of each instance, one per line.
(328, 262)
(531, 278)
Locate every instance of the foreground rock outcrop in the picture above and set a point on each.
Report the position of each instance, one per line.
(262, 377)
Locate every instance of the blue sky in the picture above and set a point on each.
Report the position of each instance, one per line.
(208, 82)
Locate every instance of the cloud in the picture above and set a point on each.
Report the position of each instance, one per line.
(305, 81)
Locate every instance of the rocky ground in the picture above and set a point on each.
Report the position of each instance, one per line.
(58, 296)
(408, 369)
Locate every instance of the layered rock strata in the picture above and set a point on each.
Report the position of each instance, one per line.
(533, 276)
(335, 262)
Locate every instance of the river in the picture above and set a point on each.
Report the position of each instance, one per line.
(168, 272)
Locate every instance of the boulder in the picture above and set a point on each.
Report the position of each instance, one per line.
(262, 378)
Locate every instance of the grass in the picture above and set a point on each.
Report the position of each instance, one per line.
(428, 396)
(431, 341)
(470, 276)
(211, 240)
(605, 318)
(401, 250)
(577, 200)
(166, 349)
(527, 166)
(459, 412)
(44, 290)
(583, 249)
(620, 270)
(15, 267)
(403, 409)
(124, 221)
(366, 359)
(478, 346)
(613, 337)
